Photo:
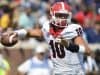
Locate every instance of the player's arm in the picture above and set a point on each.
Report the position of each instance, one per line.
(83, 46)
(29, 33)
(78, 45)
(11, 38)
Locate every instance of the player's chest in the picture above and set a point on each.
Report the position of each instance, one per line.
(67, 34)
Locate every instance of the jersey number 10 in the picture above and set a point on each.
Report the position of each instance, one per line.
(57, 49)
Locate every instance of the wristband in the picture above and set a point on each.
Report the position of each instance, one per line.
(73, 47)
(21, 32)
(81, 49)
(76, 48)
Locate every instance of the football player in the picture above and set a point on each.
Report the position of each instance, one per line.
(64, 38)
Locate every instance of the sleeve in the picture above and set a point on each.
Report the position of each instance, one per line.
(23, 68)
(76, 30)
(79, 31)
(72, 31)
(45, 27)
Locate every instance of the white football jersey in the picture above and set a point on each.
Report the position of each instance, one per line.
(62, 58)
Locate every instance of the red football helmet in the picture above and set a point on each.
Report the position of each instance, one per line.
(60, 14)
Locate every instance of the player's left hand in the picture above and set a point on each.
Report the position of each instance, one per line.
(63, 41)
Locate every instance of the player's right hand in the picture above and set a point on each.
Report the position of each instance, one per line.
(9, 38)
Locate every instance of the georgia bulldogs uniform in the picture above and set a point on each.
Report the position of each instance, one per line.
(67, 60)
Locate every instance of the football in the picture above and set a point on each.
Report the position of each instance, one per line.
(8, 39)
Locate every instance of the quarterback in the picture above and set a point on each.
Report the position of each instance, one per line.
(65, 40)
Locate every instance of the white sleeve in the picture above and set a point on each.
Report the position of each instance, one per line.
(23, 68)
(21, 32)
(45, 27)
(72, 31)
(77, 29)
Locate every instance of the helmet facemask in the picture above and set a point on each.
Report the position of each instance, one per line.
(61, 19)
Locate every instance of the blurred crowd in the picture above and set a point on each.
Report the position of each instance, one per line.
(17, 14)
